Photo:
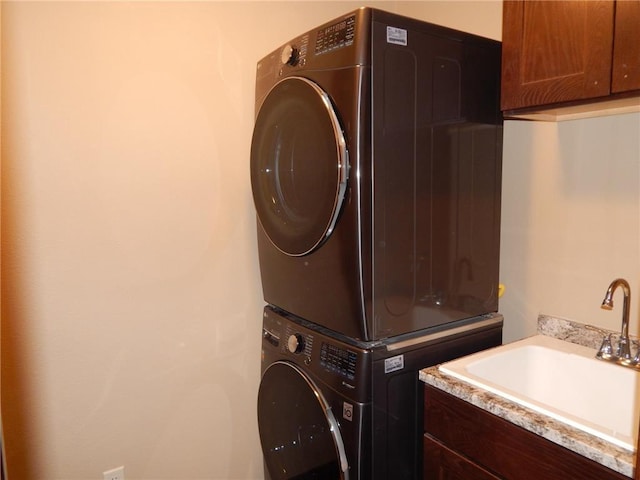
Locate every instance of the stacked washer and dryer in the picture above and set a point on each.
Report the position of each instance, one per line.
(376, 177)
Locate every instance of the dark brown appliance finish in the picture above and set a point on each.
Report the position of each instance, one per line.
(332, 408)
(376, 175)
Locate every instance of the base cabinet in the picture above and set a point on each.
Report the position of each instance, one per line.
(464, 442)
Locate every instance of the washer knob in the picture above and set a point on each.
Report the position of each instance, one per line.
(289, 55)
(295, 344)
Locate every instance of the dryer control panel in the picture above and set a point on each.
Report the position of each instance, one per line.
(337, 35)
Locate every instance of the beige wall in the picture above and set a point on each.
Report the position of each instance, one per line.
(131, 300)
(570, 220)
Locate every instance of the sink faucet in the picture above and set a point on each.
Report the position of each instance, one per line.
(623, 352)
(607, 304)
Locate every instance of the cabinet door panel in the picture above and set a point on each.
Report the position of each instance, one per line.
(555, 51)
(626, 47)
(441, 463)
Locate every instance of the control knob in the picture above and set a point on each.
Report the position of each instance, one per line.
(295, 344)
(289, 55)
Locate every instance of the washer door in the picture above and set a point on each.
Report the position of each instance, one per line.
(299, 434)
(299, 166)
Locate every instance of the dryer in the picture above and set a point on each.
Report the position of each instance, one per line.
(376, 175)
(333, 408)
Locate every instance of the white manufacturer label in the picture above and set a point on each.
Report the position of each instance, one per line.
(397, 36)
(393, 364)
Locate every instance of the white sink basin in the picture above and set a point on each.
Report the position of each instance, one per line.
(560, 380)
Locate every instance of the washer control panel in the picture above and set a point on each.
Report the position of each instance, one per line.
(338, 360)
(330, 361)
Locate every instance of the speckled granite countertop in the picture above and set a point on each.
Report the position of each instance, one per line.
(601, 451)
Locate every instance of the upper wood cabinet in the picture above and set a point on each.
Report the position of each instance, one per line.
(561, 52)
(626, 47)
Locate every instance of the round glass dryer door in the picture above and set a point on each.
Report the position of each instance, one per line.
(299, 435)
(299, 166)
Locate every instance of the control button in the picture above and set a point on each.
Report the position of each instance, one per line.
(289, 55)
(295, 343)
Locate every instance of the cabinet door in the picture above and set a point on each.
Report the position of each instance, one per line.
(555, 51)
(441, 463)
(626, 47)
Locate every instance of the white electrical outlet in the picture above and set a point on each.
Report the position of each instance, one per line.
(114, 474)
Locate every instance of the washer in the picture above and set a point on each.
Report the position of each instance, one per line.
(376, 175)
(333, 408)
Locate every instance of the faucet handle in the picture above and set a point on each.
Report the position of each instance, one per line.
(624, 350)
(606, 350)
(636, 358)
